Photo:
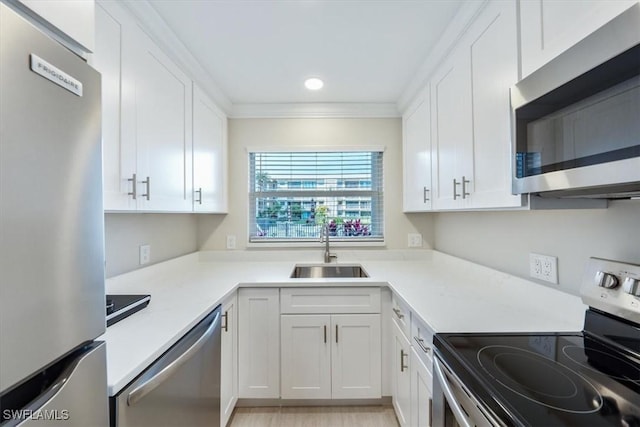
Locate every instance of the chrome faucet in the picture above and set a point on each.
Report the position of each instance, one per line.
(327, 253)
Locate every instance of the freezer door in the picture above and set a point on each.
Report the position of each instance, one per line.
(75, 397)
(51, 217)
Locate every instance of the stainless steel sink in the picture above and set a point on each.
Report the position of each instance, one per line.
(320, 271)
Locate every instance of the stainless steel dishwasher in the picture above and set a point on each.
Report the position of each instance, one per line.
(181, 388)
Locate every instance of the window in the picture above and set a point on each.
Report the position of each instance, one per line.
(294, 194)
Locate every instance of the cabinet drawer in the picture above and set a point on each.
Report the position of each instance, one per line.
(422, 340)
(401, 315)
(329, 300)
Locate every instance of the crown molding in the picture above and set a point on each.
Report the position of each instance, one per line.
(459, 25)
(152, 23)
(315, 110)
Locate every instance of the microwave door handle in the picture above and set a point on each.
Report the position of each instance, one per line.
(145, 388)
(458, 413)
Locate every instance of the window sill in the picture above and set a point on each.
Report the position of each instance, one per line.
(314, 245)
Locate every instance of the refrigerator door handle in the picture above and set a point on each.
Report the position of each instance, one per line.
(167, 371)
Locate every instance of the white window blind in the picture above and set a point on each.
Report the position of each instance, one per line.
(294, 194)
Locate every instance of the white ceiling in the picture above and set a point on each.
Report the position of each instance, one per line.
(262, 51)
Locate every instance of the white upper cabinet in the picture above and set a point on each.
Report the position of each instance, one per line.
(452, 131)
(209, 155)
(549, 27)
(163, 108)
(148, 123)
(471, 125)
(494, 56)
(416, 155)
(118, 143)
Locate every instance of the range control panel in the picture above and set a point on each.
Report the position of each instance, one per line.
(613, 287)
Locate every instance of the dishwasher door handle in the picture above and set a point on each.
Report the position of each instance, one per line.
(145, 388)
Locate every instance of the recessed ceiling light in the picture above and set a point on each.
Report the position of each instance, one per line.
(313, 83)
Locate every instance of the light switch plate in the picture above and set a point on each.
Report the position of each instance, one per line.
(145, 254)
(231, 241)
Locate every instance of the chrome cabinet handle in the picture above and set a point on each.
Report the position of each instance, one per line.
(148, 193)
(420, 342)
(424, 194)
(455, 189)
(225, 316)
(325, 334)
(464, 187)
(398, 313)
(336, 334)
(199, 192)
(148, 386)
(457, 410)
(134, 182)
(402, 365)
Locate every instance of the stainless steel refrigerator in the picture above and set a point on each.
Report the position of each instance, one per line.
(52, 302)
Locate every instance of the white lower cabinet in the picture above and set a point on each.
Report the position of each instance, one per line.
(401, 376)
(421, 392)
(229, 359)
(356, 366)
(306, 356)
(259, 343)
(330, 356)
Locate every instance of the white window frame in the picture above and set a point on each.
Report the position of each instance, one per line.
(378, 241)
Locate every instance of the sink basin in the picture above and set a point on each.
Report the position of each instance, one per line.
(321, 271)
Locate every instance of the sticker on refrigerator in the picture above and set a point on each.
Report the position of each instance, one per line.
(57, 76)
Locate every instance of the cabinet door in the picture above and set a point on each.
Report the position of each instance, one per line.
(452, 130)
(416, 154)
(306, 356)
(421, 394)
(549, 27)
(118, 146)
(209, 155)
(163, 109)
(229, 360)
(259, 343)
(356, 367)
(493, 51)
(401, 376)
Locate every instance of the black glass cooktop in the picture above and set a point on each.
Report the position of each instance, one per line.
(547, 379)
(122, 306)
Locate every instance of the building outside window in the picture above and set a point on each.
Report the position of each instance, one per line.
(293, 195)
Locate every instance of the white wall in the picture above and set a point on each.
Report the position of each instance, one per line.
(503, 240)
(170, 236)
(326, 133)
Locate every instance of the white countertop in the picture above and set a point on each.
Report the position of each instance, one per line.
(447, 293)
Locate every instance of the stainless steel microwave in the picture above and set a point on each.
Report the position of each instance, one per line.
(577, 119)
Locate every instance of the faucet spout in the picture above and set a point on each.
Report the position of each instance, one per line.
(327, 251)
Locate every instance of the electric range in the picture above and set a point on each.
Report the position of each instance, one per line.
(586, 378)
(122, 306)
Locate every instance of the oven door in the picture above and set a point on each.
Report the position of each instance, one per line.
(453, 404)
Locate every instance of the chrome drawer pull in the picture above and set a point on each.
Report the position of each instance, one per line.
(420, 342)
(134, 181)
(398, 313)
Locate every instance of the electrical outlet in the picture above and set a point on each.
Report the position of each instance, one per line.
(543, 267)
(231, 241)
(145, 254)
(414, 240)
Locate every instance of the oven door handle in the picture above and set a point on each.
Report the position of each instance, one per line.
(457, 410)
